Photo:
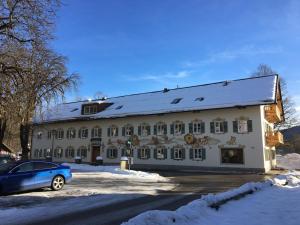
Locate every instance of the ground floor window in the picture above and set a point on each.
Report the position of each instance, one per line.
(144, 153)
(161, 153)
(178, 153)
(232, 155)
(198, 153)
(127, 152)
(47, 153)
(58, 152)
(82, 152)
(69, 152)
(112, 153)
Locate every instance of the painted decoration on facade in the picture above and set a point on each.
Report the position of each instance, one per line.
(190, 139)
(232, 141)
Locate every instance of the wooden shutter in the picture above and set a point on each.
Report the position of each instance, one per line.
(132, 130)
(139, 153)
(107, 153)
(155, 130)
(123, 131)
(139, 130)
(155, 153)
(249, 123)
(148, 151)
(203, 153)
(108, 132)
(172, 153)
(235, 126)
(172, 128)
(183, 153)
(79, 133)
(93, 132)
(225, 124)
(165, 129)
(202, 127)
(115, 153)
(148, 130)
(165, 151)
(191, 128)
(212, 127)
(191, 153)
(123, 152)
(117, 131)
(183, 128)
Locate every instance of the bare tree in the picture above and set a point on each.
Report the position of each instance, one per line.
(290, 113)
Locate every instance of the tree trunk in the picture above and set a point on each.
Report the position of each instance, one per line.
(24, 139)
(2, 130)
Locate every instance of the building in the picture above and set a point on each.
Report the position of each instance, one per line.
(226, 125)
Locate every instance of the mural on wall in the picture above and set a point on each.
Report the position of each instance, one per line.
(232, 141)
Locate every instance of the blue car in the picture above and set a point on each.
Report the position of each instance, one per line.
(28, 175)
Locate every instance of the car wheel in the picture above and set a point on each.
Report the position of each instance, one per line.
(57, 183)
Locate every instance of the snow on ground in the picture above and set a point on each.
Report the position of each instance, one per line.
(273, 204)
(91, 186)
(289, 161)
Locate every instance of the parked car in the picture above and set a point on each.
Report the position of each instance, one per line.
(6, 159)
(28, 175)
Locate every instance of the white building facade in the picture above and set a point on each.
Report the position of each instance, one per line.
(222, 126)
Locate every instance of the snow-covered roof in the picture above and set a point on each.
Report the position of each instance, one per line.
(242, 92)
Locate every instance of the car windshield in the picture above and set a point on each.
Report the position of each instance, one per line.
(5, 167)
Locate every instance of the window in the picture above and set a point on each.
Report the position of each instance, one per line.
(43, 165)
(52, 134)
(90, 109)
(176, 100)
(82, 152)
(96, 132)
(127, 152)
(177, 128)
(25, 167)
(40, 153)
(49, 134)
(36, 153)
(160, 128)
(144, 153)
(197, 127)
(160, 153)
(242, 126)
(83, 133)
(47, 153)
(112, 131)
(71, 133)
(58, 152)
(178, 153)
(144, 130)
(198, 153)
(39, 135)
(70, 152)
(112, 153)
(60, 134)
(127, 130)
(232, 155)
(219, 127)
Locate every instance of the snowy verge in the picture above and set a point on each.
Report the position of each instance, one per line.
(289, 161)
(200, 211)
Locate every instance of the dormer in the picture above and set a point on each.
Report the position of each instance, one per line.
(94, 107)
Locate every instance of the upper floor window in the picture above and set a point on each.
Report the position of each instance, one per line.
(144, 129)
(60, 134)
(39, 135)
(90, 109)
(197, 127)
(58, 152)
(51, 134)
(83, 133)
(112, 131)
(127, 130)
(82, 152)
(177, 128)
(160, 128)
(218, 127)
(71, 133)
(197, 153)
(96, 132)
(242, 126)
(70, 152)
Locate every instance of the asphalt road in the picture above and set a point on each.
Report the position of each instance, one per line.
(191, 186)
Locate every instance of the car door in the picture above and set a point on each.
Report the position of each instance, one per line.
(44, 173)
(21, 178)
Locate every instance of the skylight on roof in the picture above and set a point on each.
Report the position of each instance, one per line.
(73, 110)
(200, 99)
(119, 107)
(176, 100)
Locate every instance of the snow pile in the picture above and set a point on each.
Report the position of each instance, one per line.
(289, 161)
(273, 204)
(115, 171)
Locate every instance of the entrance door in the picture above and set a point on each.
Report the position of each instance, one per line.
(95, 153)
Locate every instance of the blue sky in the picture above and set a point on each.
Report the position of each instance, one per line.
(128, 46)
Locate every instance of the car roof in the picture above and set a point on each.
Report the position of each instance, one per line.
(28, 161)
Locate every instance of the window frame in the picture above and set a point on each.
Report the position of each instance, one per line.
(162, 152)
(80, 150)
(232, 163)
(199, 154)
(71, 133)
(111, 153)
(179, 152)
(84, 130)
(129, 130)
(68, 150)
(161, 128)
(58, 153)
(176, 126)
(241, 123)
(99, 132)
(59, 134)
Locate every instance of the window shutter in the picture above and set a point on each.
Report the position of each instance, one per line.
(148, 130)
(191, 154)
(139, 130)
(79, 133)
(107, 153)
(108, 132)
(132, 130)
(139, 153)
(155, 130)
(235, 126)
(87, 133)
(172, 153)
(225, 126)
(202, 127)
(165, 153)
(123, 131)
(148, 153)
(172, 128)
(183, 153)
(165, 129)
(117, 131)
(203, 153)
(74, 135)
(249, 123)
(183, 128)
(116, 153)
(155, 153)
(93, 132)
(212, 127)
(191, 128)
(123, 152)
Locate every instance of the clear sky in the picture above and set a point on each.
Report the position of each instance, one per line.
(129, 46)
